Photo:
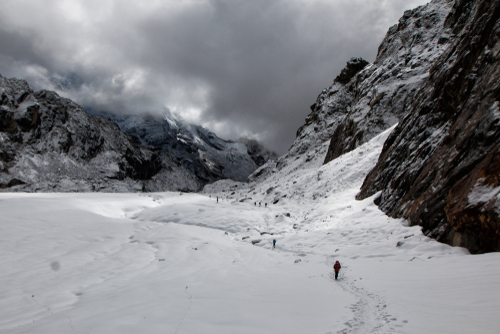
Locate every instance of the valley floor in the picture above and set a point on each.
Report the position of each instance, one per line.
(181, 263)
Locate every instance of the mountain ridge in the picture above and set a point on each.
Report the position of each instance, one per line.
(196, 148)
(50, 144)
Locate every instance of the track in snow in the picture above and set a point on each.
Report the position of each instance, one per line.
(370, 314)
(187, 310)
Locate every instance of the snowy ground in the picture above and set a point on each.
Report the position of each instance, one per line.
(163, 263)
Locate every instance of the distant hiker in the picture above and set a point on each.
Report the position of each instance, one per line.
(217, 199)
(259, 204)
(266, 205)
(336, 267)
(274, 243)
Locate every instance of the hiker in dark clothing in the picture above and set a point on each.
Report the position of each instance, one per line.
(336, 267)
(217, 199)
(266, 205)
(274, 243)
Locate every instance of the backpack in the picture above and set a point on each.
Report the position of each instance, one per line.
(336, 266)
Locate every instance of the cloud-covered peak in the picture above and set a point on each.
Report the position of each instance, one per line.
(237, 67)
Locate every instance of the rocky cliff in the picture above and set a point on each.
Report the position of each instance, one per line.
(436, 75)
(440, 167)
(49, 143)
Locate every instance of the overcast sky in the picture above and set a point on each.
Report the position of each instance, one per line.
(241, 68)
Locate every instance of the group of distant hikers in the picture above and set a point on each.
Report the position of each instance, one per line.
(254, 203)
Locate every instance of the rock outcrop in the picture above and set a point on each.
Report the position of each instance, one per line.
(49, 143)
(440, 167)
(353, 67)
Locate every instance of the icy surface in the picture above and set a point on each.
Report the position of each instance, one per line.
(162, 262)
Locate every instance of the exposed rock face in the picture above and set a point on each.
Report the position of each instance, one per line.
(378, 95)
(440, 167)
(48, 143)
(198, 150)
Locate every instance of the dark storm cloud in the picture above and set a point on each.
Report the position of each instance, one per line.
(247, 68)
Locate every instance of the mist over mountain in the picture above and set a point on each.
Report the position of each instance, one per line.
(239, 68)
(196, 148)
(50, 144)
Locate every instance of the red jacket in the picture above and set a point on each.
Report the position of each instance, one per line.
(336, 266)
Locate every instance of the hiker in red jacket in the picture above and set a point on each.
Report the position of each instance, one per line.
(336, 267)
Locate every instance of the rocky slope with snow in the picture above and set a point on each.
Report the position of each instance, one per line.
(49, 143)
(197, 149)
(440, 168)
(436, 74)
(366, 99)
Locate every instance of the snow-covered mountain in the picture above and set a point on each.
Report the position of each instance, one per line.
(366, 99)
(50, 144)
(436, 73)
(200, 151)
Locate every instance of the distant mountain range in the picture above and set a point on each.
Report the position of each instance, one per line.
(49, 143)
(197, 149)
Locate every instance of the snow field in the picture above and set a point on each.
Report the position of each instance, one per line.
(109, 277)
(163, 263)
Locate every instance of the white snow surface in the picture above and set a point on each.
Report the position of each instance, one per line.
(163, 263)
